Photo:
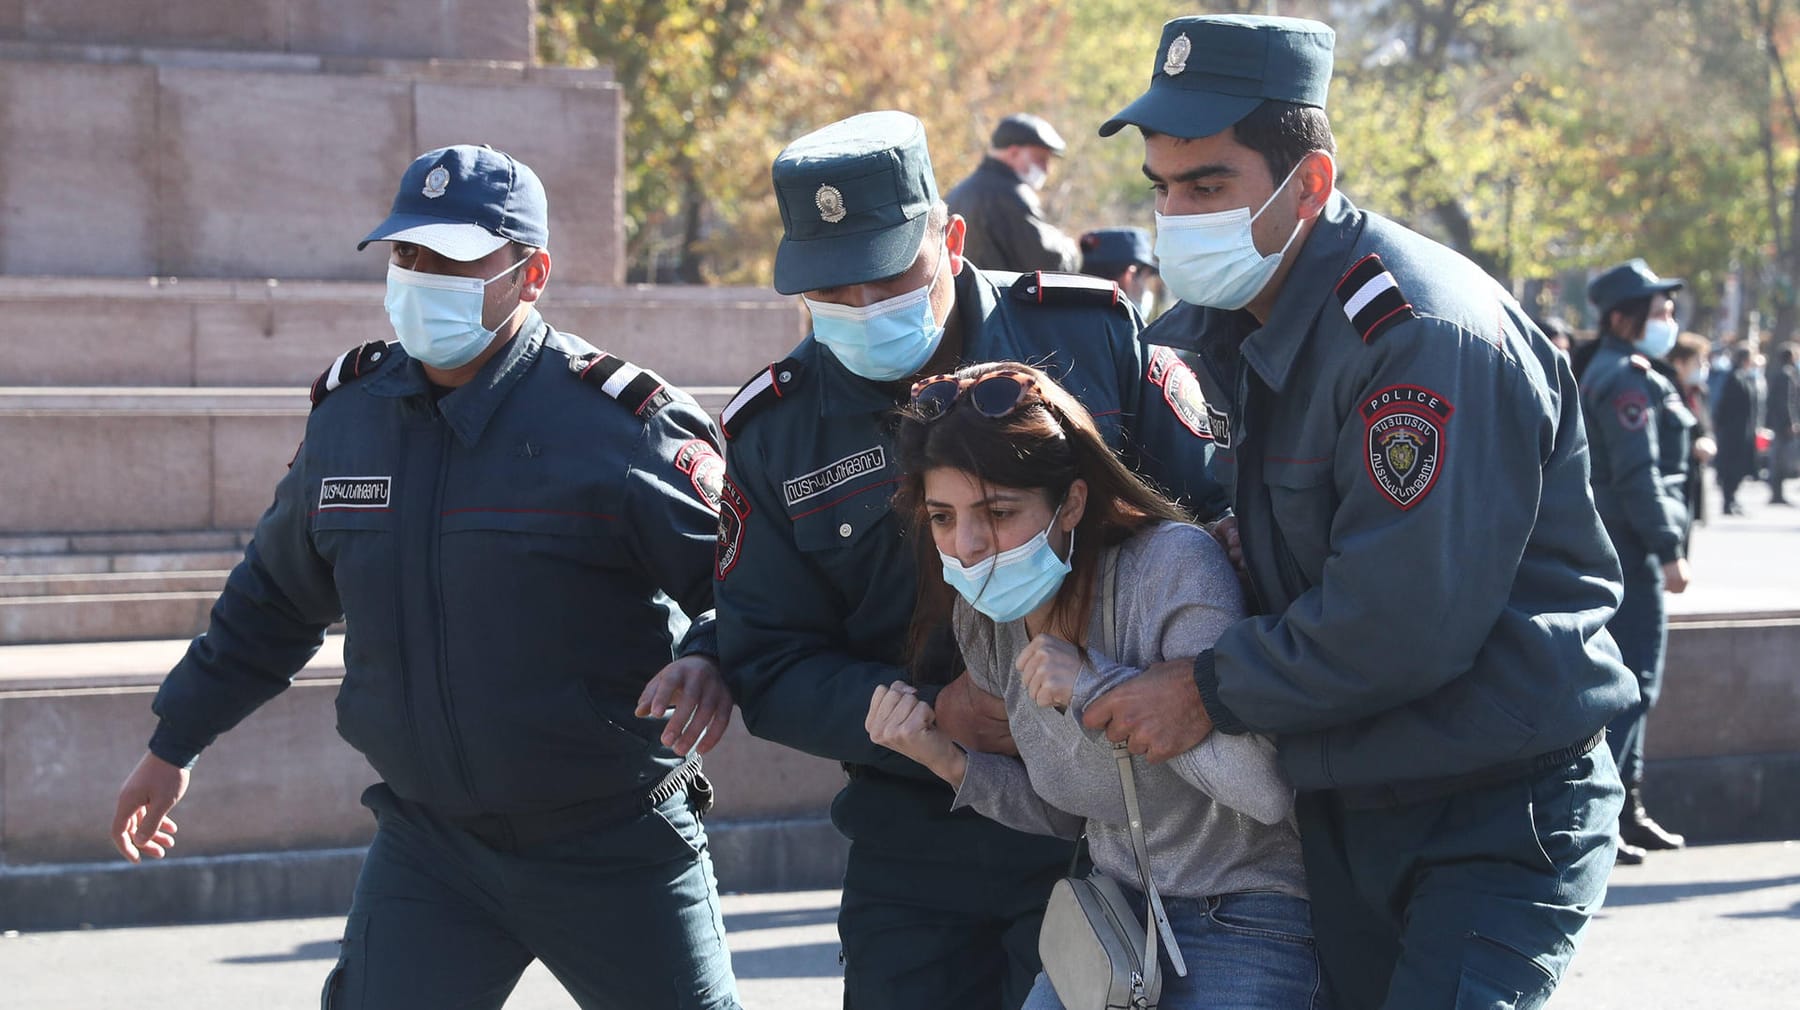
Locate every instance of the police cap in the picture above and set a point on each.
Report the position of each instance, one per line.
(1628, 280)
(1106, 252)
(466, 201)
(1023, 128)
(855, 197)
(1212, 71)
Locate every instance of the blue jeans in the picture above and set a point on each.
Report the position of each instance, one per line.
(1252, 950)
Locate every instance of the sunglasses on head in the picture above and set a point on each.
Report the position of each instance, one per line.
(995, 394)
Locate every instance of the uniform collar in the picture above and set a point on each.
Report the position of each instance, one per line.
(1273, 347)
(843, 393)
(468, 408)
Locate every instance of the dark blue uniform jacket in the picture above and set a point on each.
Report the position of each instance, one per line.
(514, 561)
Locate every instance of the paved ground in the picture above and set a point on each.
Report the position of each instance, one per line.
(1745, 563)
(1710, 927)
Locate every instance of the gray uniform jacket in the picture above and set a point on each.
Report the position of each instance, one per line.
(1218, 818)
(1410, 474)
(1007, 230)
(513, 560)
(1637, 427)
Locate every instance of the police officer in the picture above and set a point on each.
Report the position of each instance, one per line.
(816, 584)
(1639, 440)
(999, 201)
(1123, 256)
(1430, 580)
(502, 515)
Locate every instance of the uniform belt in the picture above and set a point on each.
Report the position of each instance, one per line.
(1399, 794)
(514, 832)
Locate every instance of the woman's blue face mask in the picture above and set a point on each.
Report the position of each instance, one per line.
(1008, 585)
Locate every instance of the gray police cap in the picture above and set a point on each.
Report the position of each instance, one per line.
(1630, 279)
(855, 198)
(1212, 71)
(1029, 130)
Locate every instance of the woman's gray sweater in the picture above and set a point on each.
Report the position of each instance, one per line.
(1218, 818)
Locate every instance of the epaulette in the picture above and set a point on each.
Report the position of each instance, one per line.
(352, 364)
(1048, 287)
(764, 388)
(1372, 299)
(1641, 363)
(639, 390)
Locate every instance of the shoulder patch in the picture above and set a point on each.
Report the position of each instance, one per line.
(640, 390)
(733, 510)
(1181, 391)
(1372, 299)
(705, 469)
(1049, 287)
(1406, 441)
(1633, 409)
(350, 365)
(763, 389)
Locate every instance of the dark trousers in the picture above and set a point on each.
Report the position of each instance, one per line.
(1641, 629)
(939, 909)
(1781, 455)
(1474, 901)
(626, 917)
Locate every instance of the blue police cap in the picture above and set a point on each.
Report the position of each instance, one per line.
(1023, 128)
(1212, 71)
(464, 202)
(854, 200)
(1106, 252)
(1628, 280)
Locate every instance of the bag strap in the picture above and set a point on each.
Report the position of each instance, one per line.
(1158, 919)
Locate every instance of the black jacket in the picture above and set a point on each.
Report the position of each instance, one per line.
(1007, 230)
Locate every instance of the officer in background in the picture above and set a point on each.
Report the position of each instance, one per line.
(816, 584)
(497, 511)
(1430, 582)
(999, 200)
(1639, 440)
(1123, 256)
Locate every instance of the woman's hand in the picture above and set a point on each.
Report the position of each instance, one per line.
(900, 721)
(1049, 666)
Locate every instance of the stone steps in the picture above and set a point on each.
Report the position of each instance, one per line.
(103, 618)
(112, 583)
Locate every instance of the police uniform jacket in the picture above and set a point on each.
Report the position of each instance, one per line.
(1638, 429)
(816, 585)
(514, 561)
(1007, 230)
(1410, 475)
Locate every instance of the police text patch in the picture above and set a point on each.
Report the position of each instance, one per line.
(734, 509)
(354, 492)
(810, 485)
(1406, 444)
(1181, 390)
(705, 469)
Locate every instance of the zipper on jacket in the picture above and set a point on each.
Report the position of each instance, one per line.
(436, 576)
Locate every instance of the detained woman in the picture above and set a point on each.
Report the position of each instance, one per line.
(1018, 501)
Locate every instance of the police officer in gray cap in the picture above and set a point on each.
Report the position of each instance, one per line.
(999, 200)
(816, 584)
(1432, 583)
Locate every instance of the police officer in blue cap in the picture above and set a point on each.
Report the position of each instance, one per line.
(1638, 433)
(816, 586)
(1429, 578)
(1125, 257)
(517, 529)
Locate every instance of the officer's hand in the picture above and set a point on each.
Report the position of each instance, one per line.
(1158, 713)
(974, 718)
(702, 702)
(140, 821)
(1705, 449)
(900, 721)
(1675, 575)
(1225, 531)
(1049, 667)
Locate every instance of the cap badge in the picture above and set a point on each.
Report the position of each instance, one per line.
(1176, 61)
(830, 203)
(436, 182)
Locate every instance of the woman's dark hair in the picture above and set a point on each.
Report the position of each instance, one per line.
(1632, 313)
(1044, 444)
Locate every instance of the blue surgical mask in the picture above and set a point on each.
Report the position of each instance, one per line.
(1011, 584)
(1211, 259)
(1659, 336)
(438, 317)
(890, 339)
